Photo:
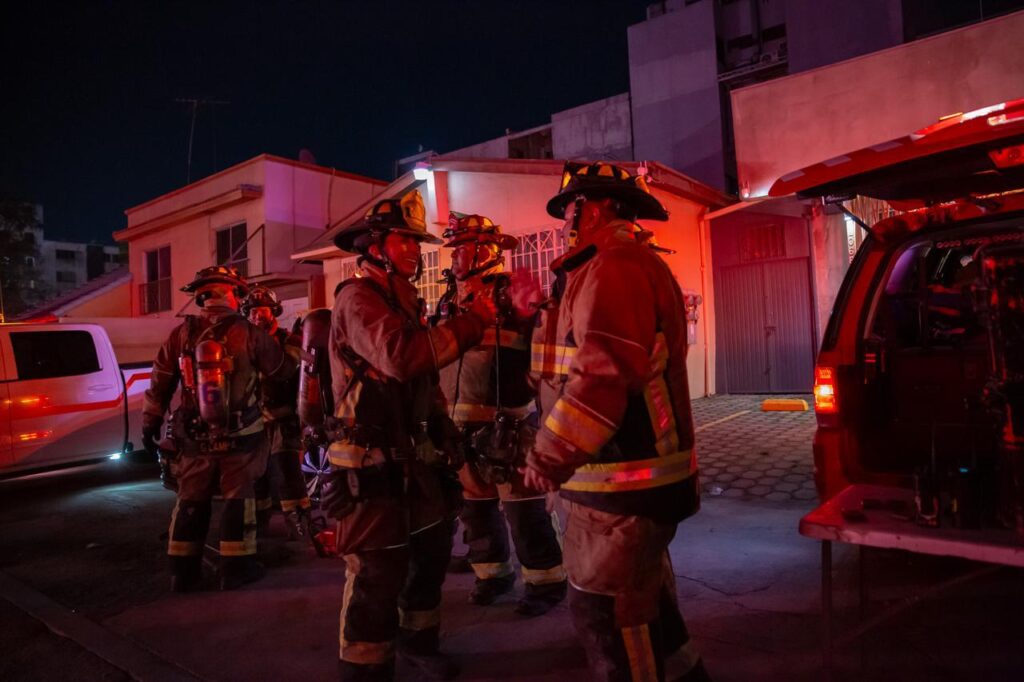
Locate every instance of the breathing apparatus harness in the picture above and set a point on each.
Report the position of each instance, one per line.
(206, 370)
(384, 471)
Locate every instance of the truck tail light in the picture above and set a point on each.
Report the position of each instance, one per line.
(1008, 157)
(825, 391)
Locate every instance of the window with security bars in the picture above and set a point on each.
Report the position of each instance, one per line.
(535, 253)
(429, 283)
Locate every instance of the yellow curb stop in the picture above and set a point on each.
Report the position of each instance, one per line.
(784, 405)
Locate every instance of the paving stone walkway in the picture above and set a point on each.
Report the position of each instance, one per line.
(747, 454)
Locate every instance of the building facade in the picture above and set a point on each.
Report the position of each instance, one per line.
(251, 216)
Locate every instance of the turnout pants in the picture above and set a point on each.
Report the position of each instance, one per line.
(283, 474)
(200, 477)
(534, 532)
(392, 601)
(623, 596)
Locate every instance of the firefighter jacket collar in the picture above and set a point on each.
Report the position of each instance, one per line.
(405, 292)
(615, 231)
(217, 310)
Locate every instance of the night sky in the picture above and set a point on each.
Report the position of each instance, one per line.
(90, 125)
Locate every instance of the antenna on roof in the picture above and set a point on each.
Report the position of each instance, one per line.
(195, 102)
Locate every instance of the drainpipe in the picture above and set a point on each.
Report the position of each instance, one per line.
(703, 229)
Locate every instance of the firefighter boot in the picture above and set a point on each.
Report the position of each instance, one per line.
(372, 672)
(420, 649)
(539, 599)
(487, 590)
(238, 571)
(186, 573)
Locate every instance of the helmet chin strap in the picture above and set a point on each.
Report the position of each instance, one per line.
(387, 264)
(573, 237)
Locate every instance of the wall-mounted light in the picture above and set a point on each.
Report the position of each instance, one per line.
(421, 171)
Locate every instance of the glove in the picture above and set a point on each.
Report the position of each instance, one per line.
(151, 434)
(336, 498)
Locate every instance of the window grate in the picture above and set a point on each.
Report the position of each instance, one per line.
(535, 253)
(429, 284)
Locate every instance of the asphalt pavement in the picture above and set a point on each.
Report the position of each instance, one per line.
(83, 588)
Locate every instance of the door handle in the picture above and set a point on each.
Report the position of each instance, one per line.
(96, 388)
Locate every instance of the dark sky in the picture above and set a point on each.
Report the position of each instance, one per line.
(90, 127)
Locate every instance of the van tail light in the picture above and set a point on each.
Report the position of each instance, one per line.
(825, 391)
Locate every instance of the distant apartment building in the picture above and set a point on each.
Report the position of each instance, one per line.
(68, 265)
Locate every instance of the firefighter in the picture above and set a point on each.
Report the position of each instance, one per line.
(217, 429)
(491, 401)
(263, 309)
(616, 433)
(393, 485)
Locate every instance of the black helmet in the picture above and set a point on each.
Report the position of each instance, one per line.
(262, 297)
(217, 274)
(405, 215)
(604, 181)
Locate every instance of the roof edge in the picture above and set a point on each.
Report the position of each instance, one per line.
(247, 162)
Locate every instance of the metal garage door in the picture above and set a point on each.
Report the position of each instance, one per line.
(763, 305)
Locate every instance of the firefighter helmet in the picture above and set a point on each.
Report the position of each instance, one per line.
(605, 181)
(464, 228)
(217, 274)
(405, 216)
(262, 297)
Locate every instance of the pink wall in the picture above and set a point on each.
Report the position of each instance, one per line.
(789, 123)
